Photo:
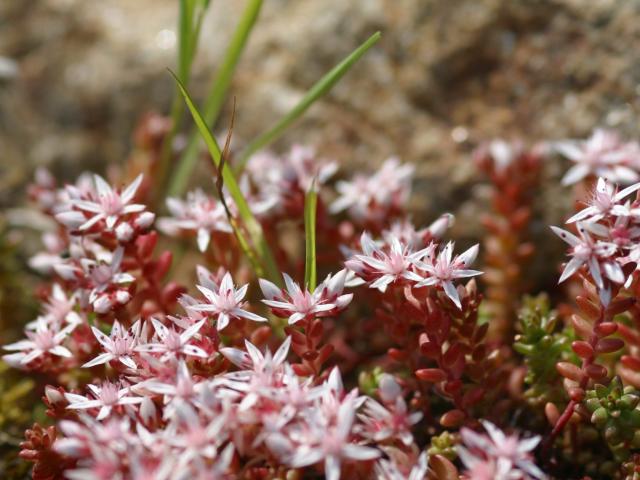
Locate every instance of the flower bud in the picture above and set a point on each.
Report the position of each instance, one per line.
(124, 232)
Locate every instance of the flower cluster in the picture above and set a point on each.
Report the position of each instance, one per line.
(604, 154)
(607, 235)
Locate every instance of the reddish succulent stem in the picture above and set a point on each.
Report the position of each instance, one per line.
(571, 406)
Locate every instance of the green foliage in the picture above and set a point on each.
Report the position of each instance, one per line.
(444, 444)
(368, 381)
(217, 94)
(15, 415)
(615, 413)
(319, 89)
(542, 346)
(310, 210)
(192, 14)
(256, 245)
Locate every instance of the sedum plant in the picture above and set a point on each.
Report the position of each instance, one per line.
(287, 321)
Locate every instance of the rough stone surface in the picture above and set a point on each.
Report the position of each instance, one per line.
(446, 75)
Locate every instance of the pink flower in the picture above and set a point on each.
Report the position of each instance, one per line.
(328, 439)
(371, 197)
(110, 206)
(120, 345)
(182, 386)
(400, 469)
(597, 255)
(106, 397)
(107, 281)
(383, 265)
(47, 338)
(407, 234)
(297, 304)
(199, 213)
(604, 154)
(442, 270)
(392, 420)
(507, 454)
(606, 201)
(172, 343)
(225, 302)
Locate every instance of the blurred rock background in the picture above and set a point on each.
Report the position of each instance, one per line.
(76, 76)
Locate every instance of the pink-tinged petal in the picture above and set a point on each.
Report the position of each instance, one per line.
(129, 192)
(194, 351)
(87, 206)
(568, 237)
(134, 208)
(292, 287)
(254, 353)
(105, 341)
(358, 452)
(343, 300)
(614, 272)
(469, 256)
(223, 321)
(204, 236)
(20, 345)
(83, 404)
(332, 467)
(467, 273)
(235, 356)
(240, 293)
(61, 351)
(626, 192)
(575, 174)
(111, 221)
(91, 222)
(130, 400)
(572, 267)
(452, 293)
(128, 362)
(278, 305)
(594, 269)
(32, 355)
(383, 282)
(296, 317)
(581, 215)
(226, 284)
(269, 290)
(413, 276)
(369, 247)
(192, 330)
(161, 330)
(104, 412)
(99, 360)
(306, 457)
(248, 315)
(151, 348)
(427, 282)
(14, 359)
(101, 185)
(323, 307)
(71, 219)
(282, 352)
(208, 294)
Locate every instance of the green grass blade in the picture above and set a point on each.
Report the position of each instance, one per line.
(320, 88)
(191, 14)
(310, 209)
(252, 226)
(217, 94)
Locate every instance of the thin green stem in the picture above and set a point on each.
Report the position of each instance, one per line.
(310, 209)
(217, 94)
(251, 225)
(320, 88)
